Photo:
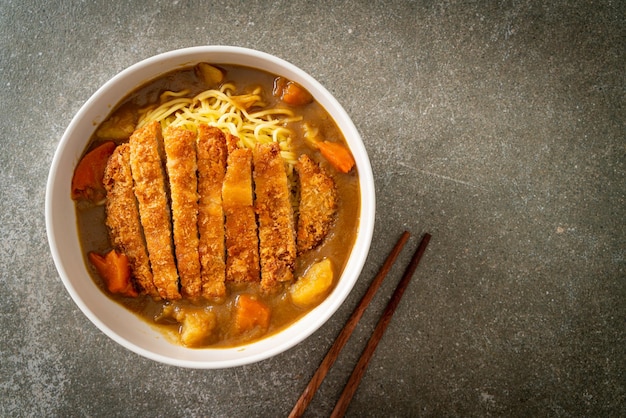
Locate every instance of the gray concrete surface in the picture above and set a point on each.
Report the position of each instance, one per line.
(498, 127)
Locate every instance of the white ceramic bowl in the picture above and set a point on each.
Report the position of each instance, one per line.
(116, 321)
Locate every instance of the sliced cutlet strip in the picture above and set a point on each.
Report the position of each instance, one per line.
(242, 242)
(232, 142)
(180, 150)
(318, 203)
(122, 218)
(151, 194)
(277, 238)
(211, 152)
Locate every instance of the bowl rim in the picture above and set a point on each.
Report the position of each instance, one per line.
(95, 109)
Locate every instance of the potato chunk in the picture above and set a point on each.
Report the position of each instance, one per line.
(314, 285)
(211, 75)
(120, 126)
(196, 327)
(196, 324)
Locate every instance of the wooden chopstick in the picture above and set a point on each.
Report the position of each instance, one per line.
(344, 335)
(359, 370)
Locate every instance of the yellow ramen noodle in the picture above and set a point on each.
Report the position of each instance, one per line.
(229, 112)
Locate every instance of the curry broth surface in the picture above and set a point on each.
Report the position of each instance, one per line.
(336, 246)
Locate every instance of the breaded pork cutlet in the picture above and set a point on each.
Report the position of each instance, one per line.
(232, 142)
(277, 238)
(211, 152)
(180, 151)
(242, 242)
(150, 191)
(122, 218)
(318, 203)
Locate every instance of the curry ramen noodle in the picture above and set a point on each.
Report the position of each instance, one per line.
(220, 204)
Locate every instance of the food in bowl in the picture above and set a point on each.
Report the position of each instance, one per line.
(219, 203)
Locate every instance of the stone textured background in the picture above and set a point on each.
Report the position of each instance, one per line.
(498, 127)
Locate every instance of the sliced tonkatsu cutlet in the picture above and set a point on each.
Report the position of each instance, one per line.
(277, 239)
(180, 151)
(232, 142)
(242, 242)
(211, 156)
(318, 204)
(150, 191)
(122, 218)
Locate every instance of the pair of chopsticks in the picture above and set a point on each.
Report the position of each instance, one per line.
(344, 335)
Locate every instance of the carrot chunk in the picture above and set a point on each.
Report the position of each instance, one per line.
(250, 313)
(114, 268)
(291, 92)
(336, 154)
(87, 180)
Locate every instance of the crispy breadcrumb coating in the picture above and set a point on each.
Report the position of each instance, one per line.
(211, 152)
(122, 218)
(180, 150)
(242, 242)
(318, 204)
(150, 191)
(275, 216)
